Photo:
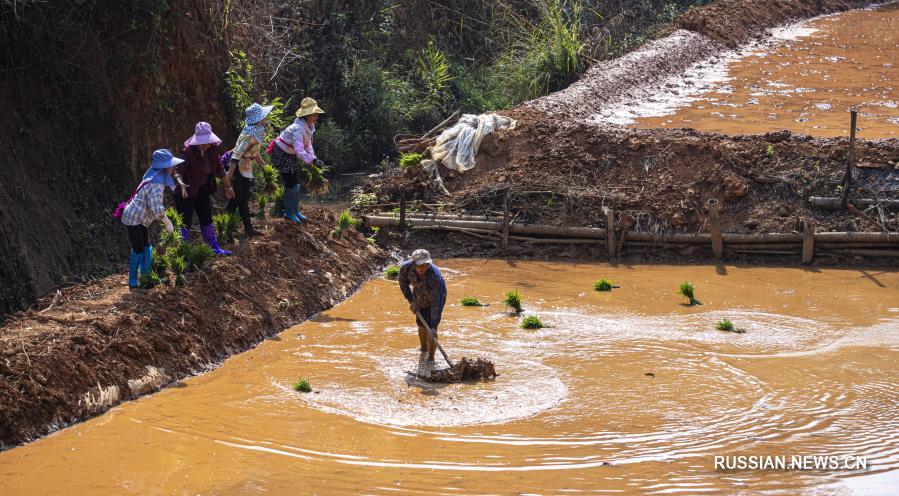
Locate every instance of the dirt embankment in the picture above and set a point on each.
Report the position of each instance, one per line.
(100, 344)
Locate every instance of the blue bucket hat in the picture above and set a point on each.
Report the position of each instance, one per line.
(256, 112)
(163, 159)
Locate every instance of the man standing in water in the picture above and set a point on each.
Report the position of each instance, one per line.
(426, 295)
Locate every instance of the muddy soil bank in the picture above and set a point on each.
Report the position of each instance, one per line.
(705, 33)
(564, 173)
(100, 344)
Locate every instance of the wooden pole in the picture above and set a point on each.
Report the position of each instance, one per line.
(715, 229)
(808, 242)
(847, 177)
(506, 218)
(610, 231)
(402, 210)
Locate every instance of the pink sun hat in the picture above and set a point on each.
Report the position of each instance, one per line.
(203, 135)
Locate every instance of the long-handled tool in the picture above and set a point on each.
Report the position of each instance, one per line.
(433, 335)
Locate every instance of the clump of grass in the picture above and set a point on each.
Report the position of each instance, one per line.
(269, 180)
(603, 285)
(277, 202)
(471, 301)
(178, 266)
(410, 160)
(346, 221)
(728, 326)
(225, 224)
(687, 290)
(302, 386)
(160, 266)
(392, 272)
(262, 203)
(531, 322)
(148, 281)
(513, 300)
(196, 255)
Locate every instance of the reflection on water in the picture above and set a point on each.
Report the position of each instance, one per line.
(627, 392)
(806, 82)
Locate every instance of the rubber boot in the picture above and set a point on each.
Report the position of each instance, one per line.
(146, 263)
(248, 227)
(290, 205)
(209, 238)
(296, 203)
(185, 234)
(133, 266)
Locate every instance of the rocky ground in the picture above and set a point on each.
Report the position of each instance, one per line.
(71, 357)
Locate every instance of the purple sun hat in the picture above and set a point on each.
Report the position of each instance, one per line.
(203, 135)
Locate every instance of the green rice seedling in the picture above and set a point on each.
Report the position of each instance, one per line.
(346, 221)
(160, 266)
(178, 266)
(687, 290)
(316, 184)
(176, 217)
(603, 285)
(277, 202)
(269, 180)
(770, 152)
(513, 300)
(471, 301)
(410, 160)
(364, 199)
(531, 322)
(170, 240)
(225, 224)
(728, 326)
(148, 281)
(302, 386)
(392, 272)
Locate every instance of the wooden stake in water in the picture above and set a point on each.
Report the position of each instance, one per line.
(847, 178)
(715, 229)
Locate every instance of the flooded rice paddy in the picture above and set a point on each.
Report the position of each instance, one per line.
(805, 78)
(628, 392)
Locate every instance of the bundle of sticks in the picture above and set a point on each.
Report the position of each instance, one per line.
(407, 143)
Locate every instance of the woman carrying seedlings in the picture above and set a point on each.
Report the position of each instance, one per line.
(146, 207)
(245, 153)
(425, 290)
(291, 146)
(200, 168)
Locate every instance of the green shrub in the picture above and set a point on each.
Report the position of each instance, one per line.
(238, 84)
(531, 322)
(728, 326)
(392, 272)
(410, 160)
(434, 73)
(333, 145)
(225, 224)
(512, 300)
(471, 301)
(302, 386)
(346, 221)
(603, 285)
(175, 216)
(686, 289)
(148, 281)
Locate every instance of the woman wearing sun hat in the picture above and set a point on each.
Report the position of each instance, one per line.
(291, 146)
(144, 208)
(200, 168)
(245, 153)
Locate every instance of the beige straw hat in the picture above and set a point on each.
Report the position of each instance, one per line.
(308, 107)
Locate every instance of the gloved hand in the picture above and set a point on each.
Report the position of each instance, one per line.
(319, 164)
(167, 223)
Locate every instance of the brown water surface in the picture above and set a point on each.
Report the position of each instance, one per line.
(573, 410)
(806, 82)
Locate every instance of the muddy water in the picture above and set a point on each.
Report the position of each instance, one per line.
(805, 79)
(573, 410)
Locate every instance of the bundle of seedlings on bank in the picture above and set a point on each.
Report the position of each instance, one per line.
(686, 289)
(392, 272)
(149, 281)
(177, 266)
(532, 322)
(262, 203)
(302, 386)
(346, 221)
(269, 180)
(225, 225)
(728, 326)
(277, 202)
(604, 285)
(176, 218)
(410, 160)
(316, 183)
(471, 301)
(512, 300)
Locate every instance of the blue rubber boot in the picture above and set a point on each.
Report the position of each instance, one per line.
(146, 264)
(290, 204)
(296, 204)
(133, 267)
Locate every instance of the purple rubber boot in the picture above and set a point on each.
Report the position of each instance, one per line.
(185, 234)
(209, 238)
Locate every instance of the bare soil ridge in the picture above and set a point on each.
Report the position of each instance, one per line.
(99, 344)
